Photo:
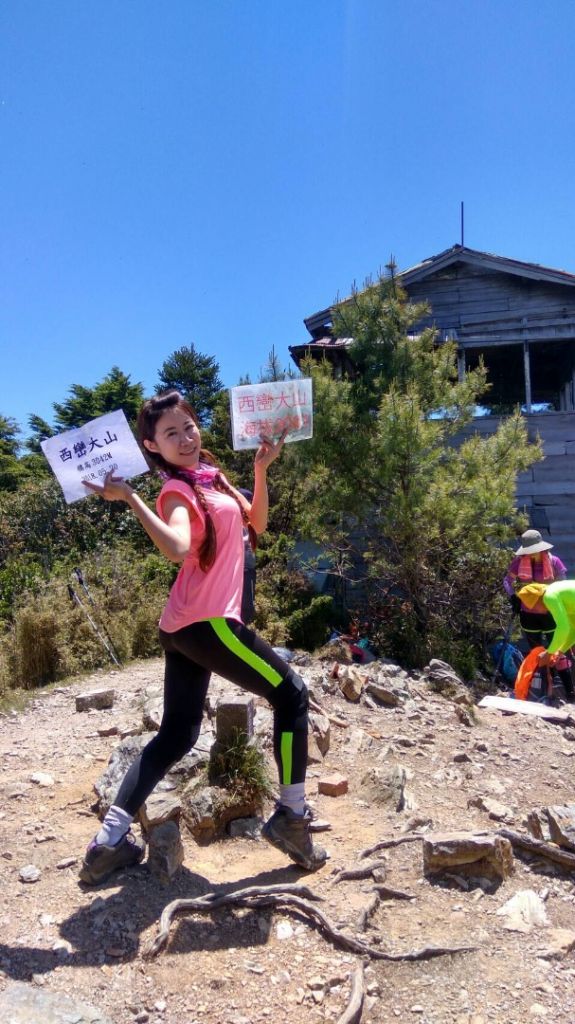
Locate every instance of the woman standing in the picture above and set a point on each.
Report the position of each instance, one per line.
(533, 564)
(199, 522)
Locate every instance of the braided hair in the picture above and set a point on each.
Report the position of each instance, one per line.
(148, 417)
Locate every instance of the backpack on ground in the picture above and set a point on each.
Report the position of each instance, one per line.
(509, 659)
(539, 683)
(525, 681)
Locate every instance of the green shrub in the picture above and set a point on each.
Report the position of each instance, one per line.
(145, 640)
(241, 769)
(267, 622)
(53, 638)
(309, 627)
(37, 654)
(17, 576)
(5, 673)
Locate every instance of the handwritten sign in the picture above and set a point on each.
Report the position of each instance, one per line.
(269, 409)
(91, 451)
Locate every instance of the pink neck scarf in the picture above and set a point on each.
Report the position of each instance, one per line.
(204, 475)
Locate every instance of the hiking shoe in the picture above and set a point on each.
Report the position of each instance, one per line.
(289, 832)
(101, 861)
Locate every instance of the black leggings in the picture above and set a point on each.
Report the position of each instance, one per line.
(236, 653)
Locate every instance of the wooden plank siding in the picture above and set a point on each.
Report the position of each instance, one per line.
(547, 486)
(497, 304)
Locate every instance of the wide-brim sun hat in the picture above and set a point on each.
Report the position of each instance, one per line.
(532, 543)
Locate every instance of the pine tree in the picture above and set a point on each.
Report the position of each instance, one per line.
(387, 464)
(114, 391)
(11, 470)
(273, 371)
(195, 376)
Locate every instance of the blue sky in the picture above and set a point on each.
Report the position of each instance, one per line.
(176, 171)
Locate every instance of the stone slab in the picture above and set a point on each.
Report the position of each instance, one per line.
(25, 1004)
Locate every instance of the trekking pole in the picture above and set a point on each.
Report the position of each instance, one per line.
(504, 643)
(76, 600)
(80, 577)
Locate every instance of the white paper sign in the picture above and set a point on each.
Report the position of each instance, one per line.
(269, 409)
(91, 451)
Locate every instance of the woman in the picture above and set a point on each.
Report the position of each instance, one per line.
(199, 522)
(533, 564)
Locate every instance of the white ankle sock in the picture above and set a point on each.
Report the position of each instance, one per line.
(294, 797)
(114, 826)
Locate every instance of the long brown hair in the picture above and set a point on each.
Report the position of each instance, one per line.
(150, 413)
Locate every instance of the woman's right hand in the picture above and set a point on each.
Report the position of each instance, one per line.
(114, 488)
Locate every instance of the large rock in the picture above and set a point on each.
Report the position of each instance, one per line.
(206, 810)
(357, 741)
(121, 758)
(384, 693)
(159, 808)
(443, 678)
(388, 786)
(98, 700)
(562, 825)
(153, 708)
(351, 682)
(26, 1004)
(486, 859)
(321, 731)
(496, 810)
(130, 748)
(524, 912)
(165, 851)
(314, 754)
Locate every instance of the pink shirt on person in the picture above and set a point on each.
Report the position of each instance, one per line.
(217, 593)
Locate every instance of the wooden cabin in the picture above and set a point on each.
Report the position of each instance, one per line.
(520, 319)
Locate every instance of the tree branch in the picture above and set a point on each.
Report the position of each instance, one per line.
(523, 842)
(388, 844)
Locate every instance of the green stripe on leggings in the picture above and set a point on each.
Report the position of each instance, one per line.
(286, 749)
(230, 640)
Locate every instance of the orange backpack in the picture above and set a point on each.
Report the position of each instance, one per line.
(527, 669)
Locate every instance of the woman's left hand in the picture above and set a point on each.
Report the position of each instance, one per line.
(269, 450)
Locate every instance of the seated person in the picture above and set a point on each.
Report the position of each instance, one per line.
(557, 600)
(533, 564)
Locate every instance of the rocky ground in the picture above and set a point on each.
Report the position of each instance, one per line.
(73, 954)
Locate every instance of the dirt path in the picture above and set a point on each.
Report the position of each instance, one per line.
(246, 967)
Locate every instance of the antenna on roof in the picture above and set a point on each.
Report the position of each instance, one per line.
(462, 223)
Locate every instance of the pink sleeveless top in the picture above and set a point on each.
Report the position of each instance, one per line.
(217, 593)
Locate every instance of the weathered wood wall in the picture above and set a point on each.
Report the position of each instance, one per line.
(484, 305)
(547, 489)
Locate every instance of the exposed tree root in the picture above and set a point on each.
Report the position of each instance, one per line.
(368, 912)
(361, 871)
(521, 841)
(388, 844)
(289, 898)
(353, 1010)
(385, 892)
